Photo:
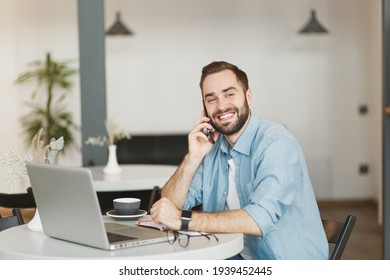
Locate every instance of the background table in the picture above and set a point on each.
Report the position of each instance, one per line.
(20, 243)
(136, 180)
(134, 177)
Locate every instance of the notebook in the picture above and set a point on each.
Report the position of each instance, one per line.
(69, 210)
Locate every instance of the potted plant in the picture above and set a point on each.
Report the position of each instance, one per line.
(52, 116)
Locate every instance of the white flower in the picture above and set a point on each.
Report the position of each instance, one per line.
(96, 141)
(114, 132)
(13, 164)
(54, 146)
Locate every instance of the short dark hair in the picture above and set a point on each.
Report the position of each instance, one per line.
(218, 66)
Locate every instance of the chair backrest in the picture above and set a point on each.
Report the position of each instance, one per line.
(154, 196)
(18, 200)
(15, 220)
(338, 234)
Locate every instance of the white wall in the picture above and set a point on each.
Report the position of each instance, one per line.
(9, 105)
(311, 84)
(29, 29)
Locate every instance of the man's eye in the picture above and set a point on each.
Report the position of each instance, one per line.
(210, 100)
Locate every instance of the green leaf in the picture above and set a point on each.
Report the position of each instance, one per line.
(49, 75)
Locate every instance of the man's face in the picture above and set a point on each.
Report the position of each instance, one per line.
(225, 102)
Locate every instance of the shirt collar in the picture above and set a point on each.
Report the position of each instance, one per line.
(246, 137)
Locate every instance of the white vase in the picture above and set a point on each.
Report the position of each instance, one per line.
(112, 166)
(35, 224)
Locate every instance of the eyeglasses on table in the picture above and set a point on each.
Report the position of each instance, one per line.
(184, 238)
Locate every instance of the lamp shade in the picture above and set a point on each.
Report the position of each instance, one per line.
(313, 25)
(118, 28)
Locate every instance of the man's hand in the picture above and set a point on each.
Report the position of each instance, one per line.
(198, 143)
(166, 213)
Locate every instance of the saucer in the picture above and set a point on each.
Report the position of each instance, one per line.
(113, 214)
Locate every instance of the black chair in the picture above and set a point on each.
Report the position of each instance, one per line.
(154, 196)
(338, 234)
(15, 220)
(18, 200)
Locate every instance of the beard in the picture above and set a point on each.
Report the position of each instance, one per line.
(232, 128)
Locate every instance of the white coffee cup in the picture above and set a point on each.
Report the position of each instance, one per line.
(126, 205)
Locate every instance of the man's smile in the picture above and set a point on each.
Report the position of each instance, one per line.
(225, 117)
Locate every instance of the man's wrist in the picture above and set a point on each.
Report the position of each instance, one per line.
(186, 216)
(193, 161)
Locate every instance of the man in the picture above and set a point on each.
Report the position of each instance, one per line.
(252, 180)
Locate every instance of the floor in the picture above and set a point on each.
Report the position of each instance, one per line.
(27, 213)
(365, 242)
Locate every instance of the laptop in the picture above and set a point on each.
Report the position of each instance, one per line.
(69, 210)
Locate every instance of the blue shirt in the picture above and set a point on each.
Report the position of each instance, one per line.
(273, 186)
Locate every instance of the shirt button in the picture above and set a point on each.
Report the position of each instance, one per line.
(225, 193)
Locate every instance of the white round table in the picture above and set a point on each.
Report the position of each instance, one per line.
(20, 243)
(134, 177)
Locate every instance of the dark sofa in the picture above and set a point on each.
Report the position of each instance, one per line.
(153, 149)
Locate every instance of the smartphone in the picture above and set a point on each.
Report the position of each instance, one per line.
(207, 131)
(209, 134)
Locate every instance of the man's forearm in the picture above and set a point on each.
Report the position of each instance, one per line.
(235, 221)
(176, 189)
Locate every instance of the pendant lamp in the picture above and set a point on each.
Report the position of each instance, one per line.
(313, 25)
(118, 28)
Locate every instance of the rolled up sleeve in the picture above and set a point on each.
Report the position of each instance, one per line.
(276, 183)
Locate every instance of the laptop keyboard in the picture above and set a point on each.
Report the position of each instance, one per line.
(114, 237)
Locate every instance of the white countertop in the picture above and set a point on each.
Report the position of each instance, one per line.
(134, 177)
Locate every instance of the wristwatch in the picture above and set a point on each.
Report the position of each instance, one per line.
(185, 219)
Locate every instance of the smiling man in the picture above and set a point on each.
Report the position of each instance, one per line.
(250, 177)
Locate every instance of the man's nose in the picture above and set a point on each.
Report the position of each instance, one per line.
(222, 104)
